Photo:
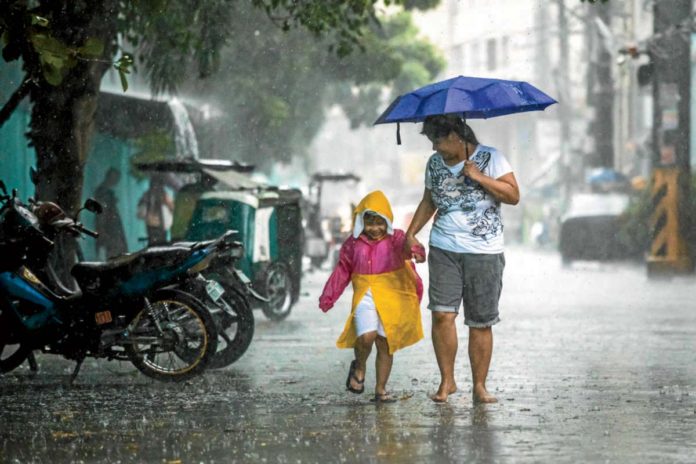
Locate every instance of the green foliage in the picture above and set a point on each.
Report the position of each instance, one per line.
(420, 4)
(57, 59)
(171, 40)
(123, 65)
(171, 35)
(54, 56)
(25, 32)
(275, 86)
(93, 47)
(37, 20)
(282, 61)
(395, 56)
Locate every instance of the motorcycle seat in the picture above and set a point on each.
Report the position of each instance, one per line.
(190, 245)
(126, 265)
(227, 240)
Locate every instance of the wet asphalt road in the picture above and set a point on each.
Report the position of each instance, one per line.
(591, 364)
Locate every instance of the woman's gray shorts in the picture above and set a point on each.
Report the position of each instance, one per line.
(475, 279)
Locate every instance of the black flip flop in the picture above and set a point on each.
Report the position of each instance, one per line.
(351, 375)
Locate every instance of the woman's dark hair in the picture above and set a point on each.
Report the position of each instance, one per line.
(441, 125)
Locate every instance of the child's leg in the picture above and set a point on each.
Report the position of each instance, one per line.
(363, 347)
(383, 365)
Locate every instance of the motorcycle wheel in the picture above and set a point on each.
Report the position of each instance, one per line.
(12, 353)
(277, 287)
(234, 332)
(186, 345)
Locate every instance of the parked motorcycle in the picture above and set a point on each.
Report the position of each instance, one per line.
(226, 291)
(122, 310)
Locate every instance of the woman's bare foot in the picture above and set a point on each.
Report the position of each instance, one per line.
(443, 392)
(481, 395)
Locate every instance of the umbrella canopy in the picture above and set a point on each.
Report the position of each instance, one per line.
(470, 97)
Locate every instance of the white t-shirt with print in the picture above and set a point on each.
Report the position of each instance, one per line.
(468, 218)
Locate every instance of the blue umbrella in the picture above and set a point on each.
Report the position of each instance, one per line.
(470, 97)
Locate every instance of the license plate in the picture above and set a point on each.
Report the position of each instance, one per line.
(245, 280)
(214, 290)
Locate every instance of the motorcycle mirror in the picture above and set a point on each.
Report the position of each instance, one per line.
(34, 175)
(94, 206)
(3, 188)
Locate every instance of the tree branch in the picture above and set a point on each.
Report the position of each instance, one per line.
(18, 95)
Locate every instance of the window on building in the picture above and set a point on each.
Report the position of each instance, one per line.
(458, 56)
(491, 58)
(454, 8)
(505, 51)
(475, 58)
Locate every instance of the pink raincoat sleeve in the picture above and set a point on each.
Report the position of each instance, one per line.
(419, 282)
(339, 278)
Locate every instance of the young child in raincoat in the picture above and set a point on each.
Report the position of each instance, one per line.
(386, 293)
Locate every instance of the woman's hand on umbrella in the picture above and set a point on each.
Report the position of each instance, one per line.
(471, 170)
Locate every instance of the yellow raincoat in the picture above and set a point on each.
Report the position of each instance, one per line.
(383, 268)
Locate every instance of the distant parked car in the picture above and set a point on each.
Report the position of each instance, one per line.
(590, 228)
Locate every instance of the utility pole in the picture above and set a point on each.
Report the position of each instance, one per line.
(565, 109)
(670, 55)
(601, 92)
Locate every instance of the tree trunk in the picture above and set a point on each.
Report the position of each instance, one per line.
(62, 117)
(61, 127)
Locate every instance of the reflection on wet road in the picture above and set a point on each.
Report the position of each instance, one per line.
(592, 363)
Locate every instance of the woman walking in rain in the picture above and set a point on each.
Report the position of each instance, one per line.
(386, 293)
(465, 184)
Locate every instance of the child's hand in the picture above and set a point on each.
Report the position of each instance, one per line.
(325, 304)
(418, 252)
(414, 249)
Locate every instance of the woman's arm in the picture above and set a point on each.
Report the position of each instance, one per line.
(504, 189)
(425, 210)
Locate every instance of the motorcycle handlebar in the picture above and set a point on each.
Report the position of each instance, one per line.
(73, 226)
(86, 231)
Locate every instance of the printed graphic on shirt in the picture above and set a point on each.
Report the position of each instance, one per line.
(456, 192)
(488, 224)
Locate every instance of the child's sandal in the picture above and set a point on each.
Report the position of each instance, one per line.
(351, 375)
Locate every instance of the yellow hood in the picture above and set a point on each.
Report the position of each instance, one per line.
(375, 202)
